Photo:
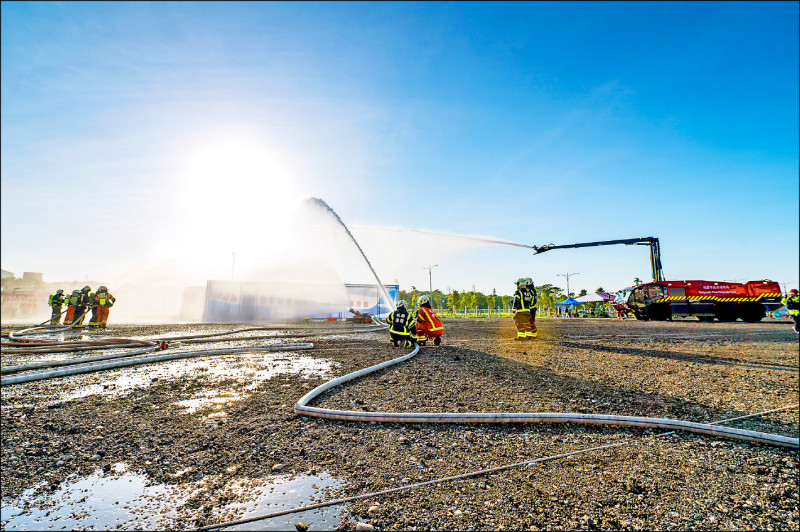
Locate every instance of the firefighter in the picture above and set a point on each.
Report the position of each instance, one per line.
(93, 306)
(533, 333)
(56, 301)
(521, 307)
(792, 302)
(401, 325)
(81, 306)
(71, 300)
(104, 302)
(428, 323)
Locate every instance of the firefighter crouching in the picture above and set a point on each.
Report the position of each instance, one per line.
(428, 323)
(104, 301)
(522, 311)
(401, 326)
(532, 289)
(792, 302)
(56, 301)
(81, 305)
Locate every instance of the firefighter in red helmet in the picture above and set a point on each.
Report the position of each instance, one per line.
(792, 302)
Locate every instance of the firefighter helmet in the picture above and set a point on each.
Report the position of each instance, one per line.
(402, 303)
(520, 282)
(86, 288)
(59, 292)
(423, 299)
(102, 289)
(793, 291)
(529, 281)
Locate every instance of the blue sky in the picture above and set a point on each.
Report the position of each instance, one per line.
(132, 132)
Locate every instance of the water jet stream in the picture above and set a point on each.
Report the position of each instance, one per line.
(325, 206)
(465, 237)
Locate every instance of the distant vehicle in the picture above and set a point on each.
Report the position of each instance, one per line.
(705, 300)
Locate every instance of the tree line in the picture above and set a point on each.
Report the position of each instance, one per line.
(547, 295)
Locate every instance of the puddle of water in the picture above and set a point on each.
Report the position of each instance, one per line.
(123, 501)
(116, 500)
(284, 495)
(280, 363)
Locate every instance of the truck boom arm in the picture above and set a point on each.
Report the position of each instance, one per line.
(655, 250)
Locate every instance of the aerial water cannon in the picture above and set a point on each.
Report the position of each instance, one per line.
(655, 250)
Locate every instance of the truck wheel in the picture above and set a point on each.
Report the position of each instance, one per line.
(751, 313)
(725, 313)
(437, 340)
(659, 312)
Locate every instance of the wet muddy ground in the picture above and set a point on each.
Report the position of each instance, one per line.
(193, 442)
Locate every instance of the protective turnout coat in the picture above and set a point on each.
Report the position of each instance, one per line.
(428, 323)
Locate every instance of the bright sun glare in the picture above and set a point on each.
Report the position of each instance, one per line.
(234, 186)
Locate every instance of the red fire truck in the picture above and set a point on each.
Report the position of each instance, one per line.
(661, 300)
(706, 300)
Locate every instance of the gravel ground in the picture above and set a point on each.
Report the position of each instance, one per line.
(683, 370)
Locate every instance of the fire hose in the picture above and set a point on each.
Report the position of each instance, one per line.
(302, 408)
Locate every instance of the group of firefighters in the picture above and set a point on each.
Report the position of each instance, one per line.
(79, 302)
(408, 327)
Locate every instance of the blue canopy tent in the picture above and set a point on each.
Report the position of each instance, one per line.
(569, 302)
(567, 305)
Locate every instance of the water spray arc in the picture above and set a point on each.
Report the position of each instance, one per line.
(325, 206)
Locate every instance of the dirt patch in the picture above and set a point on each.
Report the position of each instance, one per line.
(682, 370)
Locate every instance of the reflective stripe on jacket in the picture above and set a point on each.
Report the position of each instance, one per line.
(522, 299)
(792, 304)
(400, 321)
(428, 316)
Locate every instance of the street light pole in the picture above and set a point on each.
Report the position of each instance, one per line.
(567, 276)
(430, 278)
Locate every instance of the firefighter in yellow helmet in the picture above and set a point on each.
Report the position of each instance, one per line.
(104, 302)
(56, 301)
(792, 302)
(402, 326)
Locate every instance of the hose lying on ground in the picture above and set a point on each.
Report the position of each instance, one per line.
(145, 359)
(302, 408)
(73, 361)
